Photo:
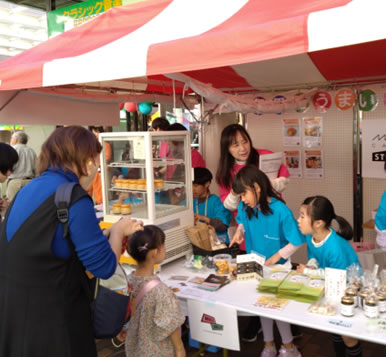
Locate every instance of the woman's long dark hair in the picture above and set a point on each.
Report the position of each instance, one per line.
(320, 208)
(245, 179)
(228, 135)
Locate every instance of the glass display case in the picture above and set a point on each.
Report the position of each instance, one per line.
(148, 176)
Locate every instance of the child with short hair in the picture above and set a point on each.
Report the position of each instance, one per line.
(154, 328)
(269, 227)
(207, 207)
(327, 248)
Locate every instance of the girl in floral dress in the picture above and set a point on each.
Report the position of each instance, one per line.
(154, 328)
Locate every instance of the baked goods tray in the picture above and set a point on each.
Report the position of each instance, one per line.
(166, 186)
(142, 164)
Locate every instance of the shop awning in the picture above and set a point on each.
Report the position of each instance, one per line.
(236, 46)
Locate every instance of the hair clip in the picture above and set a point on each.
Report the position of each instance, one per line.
(144, 247)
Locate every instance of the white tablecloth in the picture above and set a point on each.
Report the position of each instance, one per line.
(242, 295)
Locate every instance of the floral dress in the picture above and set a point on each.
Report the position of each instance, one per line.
(155, 319)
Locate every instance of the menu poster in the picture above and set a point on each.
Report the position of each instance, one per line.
(270, 164)
(291, 132)
(313, 164)
(213, 324)
(312, 132)
(293, 163)
(334, 283)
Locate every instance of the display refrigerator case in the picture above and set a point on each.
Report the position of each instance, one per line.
(148, 176)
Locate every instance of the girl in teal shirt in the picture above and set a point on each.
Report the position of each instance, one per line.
(328, 249)
(268, 226)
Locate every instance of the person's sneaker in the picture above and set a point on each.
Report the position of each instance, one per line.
(269, 351)
(252, 330)
(285, 352)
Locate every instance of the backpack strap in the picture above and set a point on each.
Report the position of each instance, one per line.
(145, 289)
(136, 301)
(62, 202)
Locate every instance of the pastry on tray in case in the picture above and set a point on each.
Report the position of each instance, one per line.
(126, 208)
(125, 183)
(158, 183)
(132, 183)
(118, 183)
(116, 208)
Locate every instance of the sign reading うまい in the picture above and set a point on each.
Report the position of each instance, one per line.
(374, 148)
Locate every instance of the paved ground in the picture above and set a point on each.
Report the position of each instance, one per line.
(313, 343)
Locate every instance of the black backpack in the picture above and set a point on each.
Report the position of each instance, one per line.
(110, 309)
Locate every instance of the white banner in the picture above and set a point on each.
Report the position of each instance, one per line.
(214, 324)
(374, 148)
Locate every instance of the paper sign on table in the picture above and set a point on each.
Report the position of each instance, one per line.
(271, 302)
(214, 324)
(335, 283)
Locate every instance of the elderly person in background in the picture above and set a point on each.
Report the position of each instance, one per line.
(8, 160)
(25, 169)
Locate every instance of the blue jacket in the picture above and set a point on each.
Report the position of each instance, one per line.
(91, 245)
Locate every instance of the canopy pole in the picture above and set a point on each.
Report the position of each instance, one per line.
(10, 100)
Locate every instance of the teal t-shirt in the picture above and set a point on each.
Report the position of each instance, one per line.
(266, 235)
(214, 209)
(335, 253)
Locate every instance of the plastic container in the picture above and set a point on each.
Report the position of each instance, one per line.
(233, 269)
(222, 263)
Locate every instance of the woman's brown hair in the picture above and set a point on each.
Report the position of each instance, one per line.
(69, 148)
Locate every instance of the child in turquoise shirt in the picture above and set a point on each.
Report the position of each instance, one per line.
(207, 207)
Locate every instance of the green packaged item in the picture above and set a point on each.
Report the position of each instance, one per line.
(271, 283)
(301, 287)
(311, 291)
(291, 285)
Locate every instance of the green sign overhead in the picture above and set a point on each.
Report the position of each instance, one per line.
(68, 17)
(367, 100)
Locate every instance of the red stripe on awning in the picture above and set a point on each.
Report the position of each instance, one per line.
(94, 34)
(260, 31)
(352, 62)
(221, 78)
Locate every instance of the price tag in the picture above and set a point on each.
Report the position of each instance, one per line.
(139, 149)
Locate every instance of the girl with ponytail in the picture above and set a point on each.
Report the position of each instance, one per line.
(327, 248)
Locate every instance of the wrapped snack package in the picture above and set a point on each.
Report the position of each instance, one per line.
(271, 283)
(311, 291)
(323, 307)
(290, 287)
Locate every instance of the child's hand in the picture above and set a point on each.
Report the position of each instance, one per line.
(123, 196)
(273, 260)
(300, 268)
(237, 238)
(199, 217)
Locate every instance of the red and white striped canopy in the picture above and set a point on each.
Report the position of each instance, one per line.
(235, 45)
